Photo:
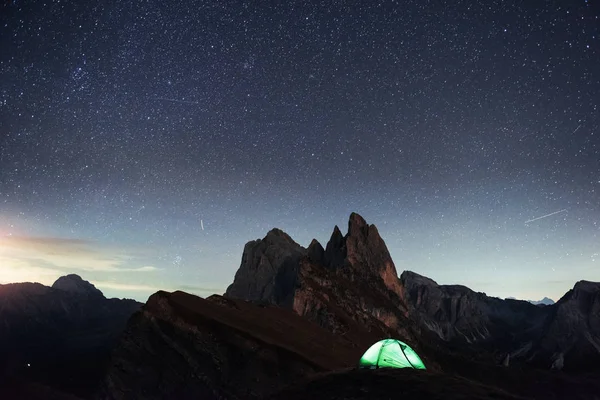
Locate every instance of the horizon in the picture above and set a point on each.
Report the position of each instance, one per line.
(143, 144)
(141, 291)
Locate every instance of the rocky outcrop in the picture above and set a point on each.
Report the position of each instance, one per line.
(59, 336)
(316, 253)
(181, 346)
(335, 251)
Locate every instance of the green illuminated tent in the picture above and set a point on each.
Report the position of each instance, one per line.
(390, 353)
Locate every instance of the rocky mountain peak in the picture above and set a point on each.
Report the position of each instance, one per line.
(268, 269)
(316, 253)
(357, 225)
(276, 235)
(586, 286)
(270, 266)
(410, 278)
(367, 254)
(335, 252)
(75, 284)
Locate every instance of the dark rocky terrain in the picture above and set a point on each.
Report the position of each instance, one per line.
(58, 336)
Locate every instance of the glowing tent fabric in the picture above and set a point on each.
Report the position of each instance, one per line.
(390, 353)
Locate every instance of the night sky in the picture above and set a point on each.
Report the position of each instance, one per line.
(143, 143)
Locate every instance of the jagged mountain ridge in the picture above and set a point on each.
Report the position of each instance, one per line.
(354, 279)
(350, 283)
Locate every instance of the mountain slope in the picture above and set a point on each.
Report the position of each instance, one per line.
(182, 346)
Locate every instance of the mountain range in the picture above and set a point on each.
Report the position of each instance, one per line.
(295, 321)
(545, 301)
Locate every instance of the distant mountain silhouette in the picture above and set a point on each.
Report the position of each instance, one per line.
(59, 336)
(545, 301)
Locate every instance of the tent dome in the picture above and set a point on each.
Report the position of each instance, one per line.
(390, 353)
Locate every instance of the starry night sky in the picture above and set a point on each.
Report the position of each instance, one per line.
(143, 143)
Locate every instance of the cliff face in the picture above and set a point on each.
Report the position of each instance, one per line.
(367, 256)
(565, 335)
(268, 269)
(455, 312)
(182, 346)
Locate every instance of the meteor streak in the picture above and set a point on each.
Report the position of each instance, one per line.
(177, 101)
(546, 216)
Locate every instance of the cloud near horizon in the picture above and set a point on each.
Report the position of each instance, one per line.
(149, 288)
(44, 259)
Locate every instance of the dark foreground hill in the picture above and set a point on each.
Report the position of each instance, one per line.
(391, 384)
(181, 346)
